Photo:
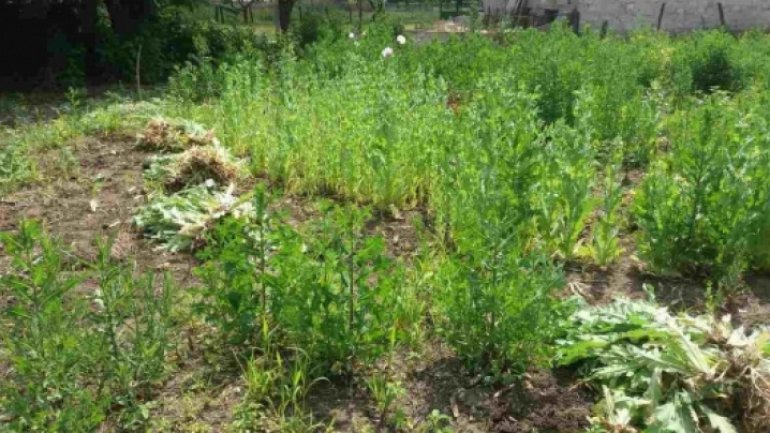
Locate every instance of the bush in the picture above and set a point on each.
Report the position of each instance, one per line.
(495, 304)
(704, 62)
(497, 308)
(315, 27)
(342, 306)
(173, 38)
(333, 294)
(698, 208)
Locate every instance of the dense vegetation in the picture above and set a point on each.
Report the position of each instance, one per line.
(521, 157)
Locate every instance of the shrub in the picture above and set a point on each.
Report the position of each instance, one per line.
(315, 27)
(47, 353)
(238, 285)
(699, 207)
(497, 308)
(173, 38)
(133, 328)
(343, 305)
(704, 62)
(494, 303)
(333, 294)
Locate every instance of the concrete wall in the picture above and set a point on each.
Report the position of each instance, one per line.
(679, 16)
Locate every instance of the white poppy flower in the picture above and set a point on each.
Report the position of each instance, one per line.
(387, 52)
(401, 39)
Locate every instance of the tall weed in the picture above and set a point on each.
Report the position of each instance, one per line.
(72, 363)
(700, 206)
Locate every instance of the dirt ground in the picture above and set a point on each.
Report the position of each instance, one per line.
(90, 190)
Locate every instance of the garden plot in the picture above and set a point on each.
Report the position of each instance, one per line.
(540, 232)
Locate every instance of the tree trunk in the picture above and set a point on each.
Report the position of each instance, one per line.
(88, 19)
(127, 16)
(284, 13)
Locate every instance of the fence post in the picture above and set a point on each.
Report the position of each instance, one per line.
(721, 15)
(360, 15)
(574, 19)
(660, 15)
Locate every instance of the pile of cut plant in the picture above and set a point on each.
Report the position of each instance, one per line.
(663, 372)
(195, 181)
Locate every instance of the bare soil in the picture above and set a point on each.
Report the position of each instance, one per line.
(92, 198)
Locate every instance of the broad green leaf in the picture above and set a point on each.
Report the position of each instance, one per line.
(718, 422)
(674, 417)
(654, 392)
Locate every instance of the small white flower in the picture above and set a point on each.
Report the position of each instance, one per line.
(401, 39)
(210, 183)
(387, 52)
(351, 35)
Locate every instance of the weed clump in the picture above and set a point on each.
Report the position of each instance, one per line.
(72, 357)
(175, 135)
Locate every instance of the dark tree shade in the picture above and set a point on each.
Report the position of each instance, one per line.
(284, 13)
(38, 37)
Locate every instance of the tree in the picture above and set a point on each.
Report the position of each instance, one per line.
(285, 8)
(127, 16)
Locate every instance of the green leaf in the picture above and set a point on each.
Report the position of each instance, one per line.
(581, 350)
(654, 392)
(718, 422)
(675, 417)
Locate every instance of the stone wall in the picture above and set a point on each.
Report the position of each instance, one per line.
(679, 15)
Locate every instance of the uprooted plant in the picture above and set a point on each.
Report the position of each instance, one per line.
(167, 135)
(194, 166)
(180, 221)
(661, 372)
